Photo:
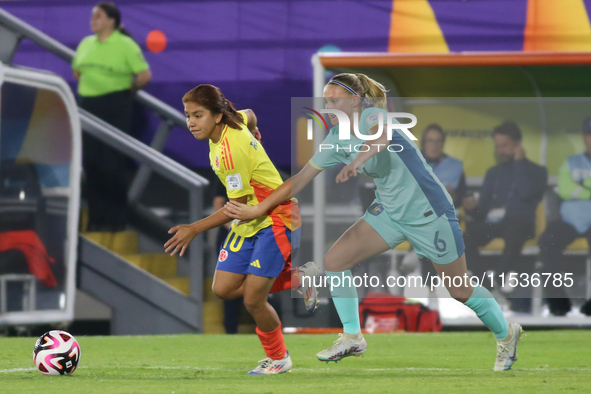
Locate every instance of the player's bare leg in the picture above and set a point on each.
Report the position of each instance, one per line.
(228, 285)
(456, 269)
(358, 243)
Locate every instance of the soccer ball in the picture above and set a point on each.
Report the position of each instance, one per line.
(56, 353)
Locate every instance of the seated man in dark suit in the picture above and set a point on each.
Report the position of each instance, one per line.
(509, 196)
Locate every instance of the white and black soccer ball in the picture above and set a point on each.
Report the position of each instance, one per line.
(56, 353)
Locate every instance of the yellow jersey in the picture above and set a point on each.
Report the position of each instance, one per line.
(241, 163)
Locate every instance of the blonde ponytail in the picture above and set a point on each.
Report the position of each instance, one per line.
(375, 91)
(371, 92)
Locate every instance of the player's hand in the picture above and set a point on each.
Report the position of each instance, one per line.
(183, 235)
(347, 172)
(238, 210)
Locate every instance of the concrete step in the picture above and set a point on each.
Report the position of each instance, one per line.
(122, 242)
(180, 283)
(161, 265)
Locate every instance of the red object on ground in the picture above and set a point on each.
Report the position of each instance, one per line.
(383, 312)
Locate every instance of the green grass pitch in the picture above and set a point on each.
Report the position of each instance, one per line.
(549, 361)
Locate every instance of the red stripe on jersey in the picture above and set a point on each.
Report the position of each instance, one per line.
(281, 238)
(229, 152)
(224, 160)
(287, 211)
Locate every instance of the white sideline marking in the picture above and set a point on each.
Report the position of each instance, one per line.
(332, 369)
(17, 370)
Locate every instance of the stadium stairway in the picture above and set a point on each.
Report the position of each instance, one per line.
(161, 265)
(143, 289)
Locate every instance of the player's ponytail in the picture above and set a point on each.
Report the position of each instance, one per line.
(371, 92)
(212, 98)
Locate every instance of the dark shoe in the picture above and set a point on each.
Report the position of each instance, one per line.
(520, 305)
(559, 306)
(586, 308)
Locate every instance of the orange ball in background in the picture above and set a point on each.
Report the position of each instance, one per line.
(156, 41)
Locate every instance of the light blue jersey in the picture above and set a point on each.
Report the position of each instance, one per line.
(574, 183)
(406, 185)
(449, 171)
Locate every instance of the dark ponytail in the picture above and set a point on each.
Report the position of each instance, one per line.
(212, 98)
(113, 13)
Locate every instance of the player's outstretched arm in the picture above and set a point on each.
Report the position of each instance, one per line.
(374, 147)
(184, 233)
(284, 192)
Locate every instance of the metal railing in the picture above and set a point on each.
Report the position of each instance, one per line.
(13, 30)
(168, 115)
(166, 167)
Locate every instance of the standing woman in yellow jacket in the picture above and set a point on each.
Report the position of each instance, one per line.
(110, 67)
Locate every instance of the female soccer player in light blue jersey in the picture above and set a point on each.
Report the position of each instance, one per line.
(411, 204)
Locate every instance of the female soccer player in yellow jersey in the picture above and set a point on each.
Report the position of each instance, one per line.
(411, 204)
(255, 259)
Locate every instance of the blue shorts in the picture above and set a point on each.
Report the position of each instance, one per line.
(266, 253)
(440, 241)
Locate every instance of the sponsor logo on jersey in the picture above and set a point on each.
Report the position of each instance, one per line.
(375, 209)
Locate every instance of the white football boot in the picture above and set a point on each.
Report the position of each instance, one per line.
(507, 348)
(347, 345)
(307, 288)
(269, 366)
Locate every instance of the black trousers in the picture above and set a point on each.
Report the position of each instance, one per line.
(514, 231)
(554, 240)
(108, 172)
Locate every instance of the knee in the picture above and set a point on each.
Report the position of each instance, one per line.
(254, 305)
(461, 294)
(222, 292)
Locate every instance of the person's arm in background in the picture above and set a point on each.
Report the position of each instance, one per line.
(75, 62)
(138, 67)
(479, 208)
(251, 123)
(568, 189)
(140, 80)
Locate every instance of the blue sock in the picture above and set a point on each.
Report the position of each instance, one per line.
(345, 300)
(488, 310)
